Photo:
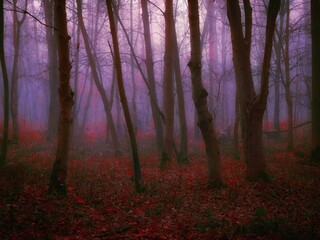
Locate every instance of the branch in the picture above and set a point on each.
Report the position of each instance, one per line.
(20, 10)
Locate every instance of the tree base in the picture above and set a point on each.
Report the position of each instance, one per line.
(164, 159)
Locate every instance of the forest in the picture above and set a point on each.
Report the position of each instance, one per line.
(160, 119)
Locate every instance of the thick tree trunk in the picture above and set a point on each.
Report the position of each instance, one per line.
(315, 32)
(168, 86)
(252, 105)
(151, 78)
(4, 145)
(123, 97)
(59, 171)
(200, 98)
(53, 114)
(92, 63)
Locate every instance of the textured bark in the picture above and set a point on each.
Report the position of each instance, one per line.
(168, 85)
(57, 184)
(199, 94)
(93, 66)
(151, 77)
(252, 106)
(4, 144)
(53, 114)
(123, 97)
(315, 32)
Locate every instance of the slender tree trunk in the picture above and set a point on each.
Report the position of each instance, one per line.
(200, 98)
(315, 32)
(53, 114)
(4, 145)
(151, 78)
(287, 82)
(130, 128)
(132, 72)
(183, 154)
(59, 171)
(17, 24)
(168, 86)
(236, 128)
(93, 66)
(252, 106)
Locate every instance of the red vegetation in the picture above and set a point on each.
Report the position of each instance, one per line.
(102, 203)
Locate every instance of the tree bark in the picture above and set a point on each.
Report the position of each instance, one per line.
(199, 94)
(183, 154)
(123, 97)
(315, 32)
(4, 145)
(57, 184)
(287, 81)
(151, 78)
(168, 85)
(252, 106)
(53, 114)
(17, 24)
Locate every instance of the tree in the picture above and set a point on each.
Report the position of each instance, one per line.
(14, 103)
(124, 101)
(57, 184)
(168, 85)
(182, 155)
(252, 105)
(94, 71)
(4, 145)
(315, 107)
(199, 94)
(53, 113)
(151, 78)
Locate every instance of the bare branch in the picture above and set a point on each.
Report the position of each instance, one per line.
(20, 10)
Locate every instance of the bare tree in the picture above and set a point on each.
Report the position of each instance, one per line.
(199, 93)
(97, 81)
(168, 85)
(14, 103)
(59, 171)
(315, 32)
(151, 78)
(4, 145)
(53, 113)
(124, 101)
(252, 105)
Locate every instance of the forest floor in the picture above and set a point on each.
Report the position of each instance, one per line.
(177, 204)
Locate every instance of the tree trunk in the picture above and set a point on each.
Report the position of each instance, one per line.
(93, 66)
(252, 106)
(130, 128)
(59, 171)
(4, 145)
(199, 94)
(183, 154)
(315, 32)
(17, 24)
(151, 78)
(287, 81)
(53, 114)
(168, 86)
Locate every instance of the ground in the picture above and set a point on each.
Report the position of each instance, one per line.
(177, 204)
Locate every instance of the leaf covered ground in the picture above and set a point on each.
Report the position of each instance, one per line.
(177, 204)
